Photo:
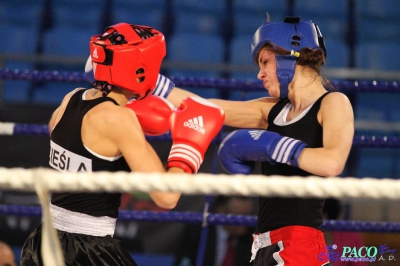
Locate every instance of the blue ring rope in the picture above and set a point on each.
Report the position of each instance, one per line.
(359, 141)
(214, 219)
(221, 83)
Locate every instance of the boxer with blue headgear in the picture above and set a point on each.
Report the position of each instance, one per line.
(292, 133)
(291, 35)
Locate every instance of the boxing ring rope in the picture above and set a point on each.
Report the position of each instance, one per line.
(43, 180)
(217, 184)
(246, 185)
(221, 83)
(9, 128)
(213, 219)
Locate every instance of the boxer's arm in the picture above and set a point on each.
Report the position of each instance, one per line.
(337, 119)
(125, 135)
(240, 114)
(177, 95)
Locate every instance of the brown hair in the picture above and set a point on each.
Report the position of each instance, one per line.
(311, 58)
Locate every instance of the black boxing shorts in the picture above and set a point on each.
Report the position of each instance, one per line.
(78, 249)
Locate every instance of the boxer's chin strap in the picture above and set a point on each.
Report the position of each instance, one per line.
(285, 71)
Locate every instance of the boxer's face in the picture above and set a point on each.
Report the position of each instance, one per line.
(267, 73)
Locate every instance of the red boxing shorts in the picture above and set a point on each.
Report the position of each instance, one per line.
(289, 246)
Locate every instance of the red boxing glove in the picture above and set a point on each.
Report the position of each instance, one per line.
(193, 126)
(153, 113)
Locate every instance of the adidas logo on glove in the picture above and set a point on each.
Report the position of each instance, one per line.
(195, 123)
(256, 134)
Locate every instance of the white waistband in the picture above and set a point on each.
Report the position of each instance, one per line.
(80, 223)
(259, 241)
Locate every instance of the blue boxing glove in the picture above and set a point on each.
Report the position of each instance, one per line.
(163, 87)
(240, 150)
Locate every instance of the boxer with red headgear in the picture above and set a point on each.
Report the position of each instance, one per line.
(127, 57)
(92, 131)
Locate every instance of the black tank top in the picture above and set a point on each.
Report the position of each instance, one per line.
(68, 153)
(277, 212)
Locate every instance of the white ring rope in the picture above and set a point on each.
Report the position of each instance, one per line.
(7, 128)
(247, 185)
(44, 180)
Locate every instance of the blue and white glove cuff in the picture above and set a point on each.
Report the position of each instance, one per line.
(288, 150)
(163, 87)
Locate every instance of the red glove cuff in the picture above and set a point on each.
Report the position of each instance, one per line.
(185, 167)
(183, 153)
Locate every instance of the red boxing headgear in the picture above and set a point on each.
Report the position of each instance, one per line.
(128, 56)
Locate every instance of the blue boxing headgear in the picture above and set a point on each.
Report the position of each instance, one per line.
(290, 35)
